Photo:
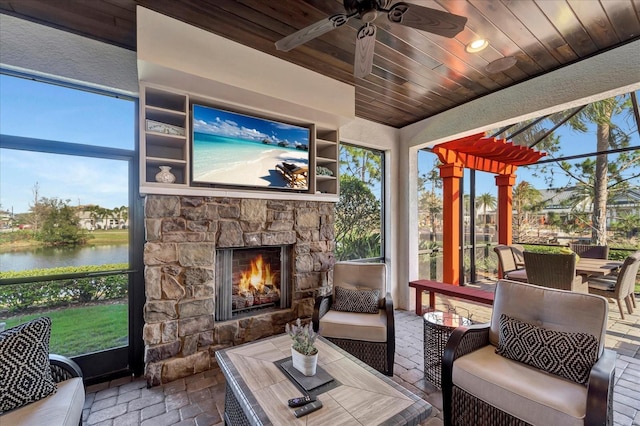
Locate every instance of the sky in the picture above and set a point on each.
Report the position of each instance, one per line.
(571, 143)
(39, 110)
(229, 124)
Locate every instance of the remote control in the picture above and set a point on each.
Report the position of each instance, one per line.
(309, 408)
(301, 400)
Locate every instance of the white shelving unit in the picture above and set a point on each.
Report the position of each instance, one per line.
(165, 148)
(327, 157)
(162, 148)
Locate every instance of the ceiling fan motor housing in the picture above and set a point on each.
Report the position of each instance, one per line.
(364, 6)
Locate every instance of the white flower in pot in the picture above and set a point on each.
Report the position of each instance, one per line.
(304, 354)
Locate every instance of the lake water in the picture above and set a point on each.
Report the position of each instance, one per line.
(52, 257)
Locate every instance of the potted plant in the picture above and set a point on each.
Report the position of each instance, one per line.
(304, 354)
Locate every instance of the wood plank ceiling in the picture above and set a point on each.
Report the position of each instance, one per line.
(415, 74)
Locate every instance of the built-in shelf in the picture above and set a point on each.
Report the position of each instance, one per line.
(166, 112)
(166, 142)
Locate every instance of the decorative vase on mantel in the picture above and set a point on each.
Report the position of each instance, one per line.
(165, 175)
(306, 364)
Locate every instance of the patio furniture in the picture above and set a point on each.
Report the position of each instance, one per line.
(257, 389)
(621, 287)
(554, 270)
(518, 250)
(437, 328)
(37, 387)
(507, 267)
(590, 251)
(590, 267)
(358, 314)
(530, 381)
(459, 292)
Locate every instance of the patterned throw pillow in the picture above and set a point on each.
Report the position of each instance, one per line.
(25, 373)
(568, 355)
(353, 300)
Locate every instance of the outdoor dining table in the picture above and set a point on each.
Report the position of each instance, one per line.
(588, 266)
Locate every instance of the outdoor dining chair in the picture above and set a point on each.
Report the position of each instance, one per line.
(590, 251)
(621, 287)
(554, 270)
(507, 267)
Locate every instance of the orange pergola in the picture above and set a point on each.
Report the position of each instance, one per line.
(488, 155)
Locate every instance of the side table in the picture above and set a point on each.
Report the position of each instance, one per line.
(438, 326)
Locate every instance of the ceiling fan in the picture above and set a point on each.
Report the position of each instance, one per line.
(419, 17)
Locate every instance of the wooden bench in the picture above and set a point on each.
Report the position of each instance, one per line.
(433, 287)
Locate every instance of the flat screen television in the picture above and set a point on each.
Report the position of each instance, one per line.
(232, 149)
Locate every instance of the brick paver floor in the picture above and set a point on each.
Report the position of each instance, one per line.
(199, 399)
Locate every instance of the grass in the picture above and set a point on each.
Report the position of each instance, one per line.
(85, 329)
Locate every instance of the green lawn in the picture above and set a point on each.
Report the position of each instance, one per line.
(84, 329)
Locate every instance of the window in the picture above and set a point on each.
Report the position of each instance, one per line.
(359, 219)
(67, 170)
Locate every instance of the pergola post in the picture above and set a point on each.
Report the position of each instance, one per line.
(505, 210)
(451, 175)
(488, 155)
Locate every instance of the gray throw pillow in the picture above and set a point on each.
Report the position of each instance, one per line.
(25, 372)
(353, 300)
(568, 355)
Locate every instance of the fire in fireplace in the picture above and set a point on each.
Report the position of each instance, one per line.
(257, 285)
(250, 280)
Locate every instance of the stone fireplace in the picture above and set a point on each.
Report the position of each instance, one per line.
(186, 235)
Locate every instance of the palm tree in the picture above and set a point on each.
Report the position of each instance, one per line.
(608, 135)
(486, 200)
(525, 199)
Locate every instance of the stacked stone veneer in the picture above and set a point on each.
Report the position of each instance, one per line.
(180, 333)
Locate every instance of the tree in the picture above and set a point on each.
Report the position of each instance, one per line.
(597, 179)
(357, 220)
(608, 134)
(429, 203)
(486, 200)
(526, 199)
(362, 163)
(61, 225)
(36, 210)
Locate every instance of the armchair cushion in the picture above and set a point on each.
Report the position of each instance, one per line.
(568, 355)
(520, 389)
(354, 326)
(25, 372)
(364, 301)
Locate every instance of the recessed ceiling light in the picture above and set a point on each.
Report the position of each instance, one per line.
(501, 64)
(477, 45)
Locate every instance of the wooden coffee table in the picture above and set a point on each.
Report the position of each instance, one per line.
(257, 389)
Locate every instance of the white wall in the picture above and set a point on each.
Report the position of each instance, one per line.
(36, 49)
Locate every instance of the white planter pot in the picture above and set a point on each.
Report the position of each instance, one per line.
(306, 364)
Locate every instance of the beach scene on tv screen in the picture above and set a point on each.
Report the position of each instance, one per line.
(236, 149)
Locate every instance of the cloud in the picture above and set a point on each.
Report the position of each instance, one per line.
(228, 128)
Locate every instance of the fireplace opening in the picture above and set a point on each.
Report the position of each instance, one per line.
(251, 280)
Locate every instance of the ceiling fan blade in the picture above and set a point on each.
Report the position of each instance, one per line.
(312, 31)
(365, 43)
(426, 19)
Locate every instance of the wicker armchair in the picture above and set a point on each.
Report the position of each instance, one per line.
(589, 251)
(483, 388)
(554, 271)
(64, 407)
(620, 287)
(369, 337)
(507, 267)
